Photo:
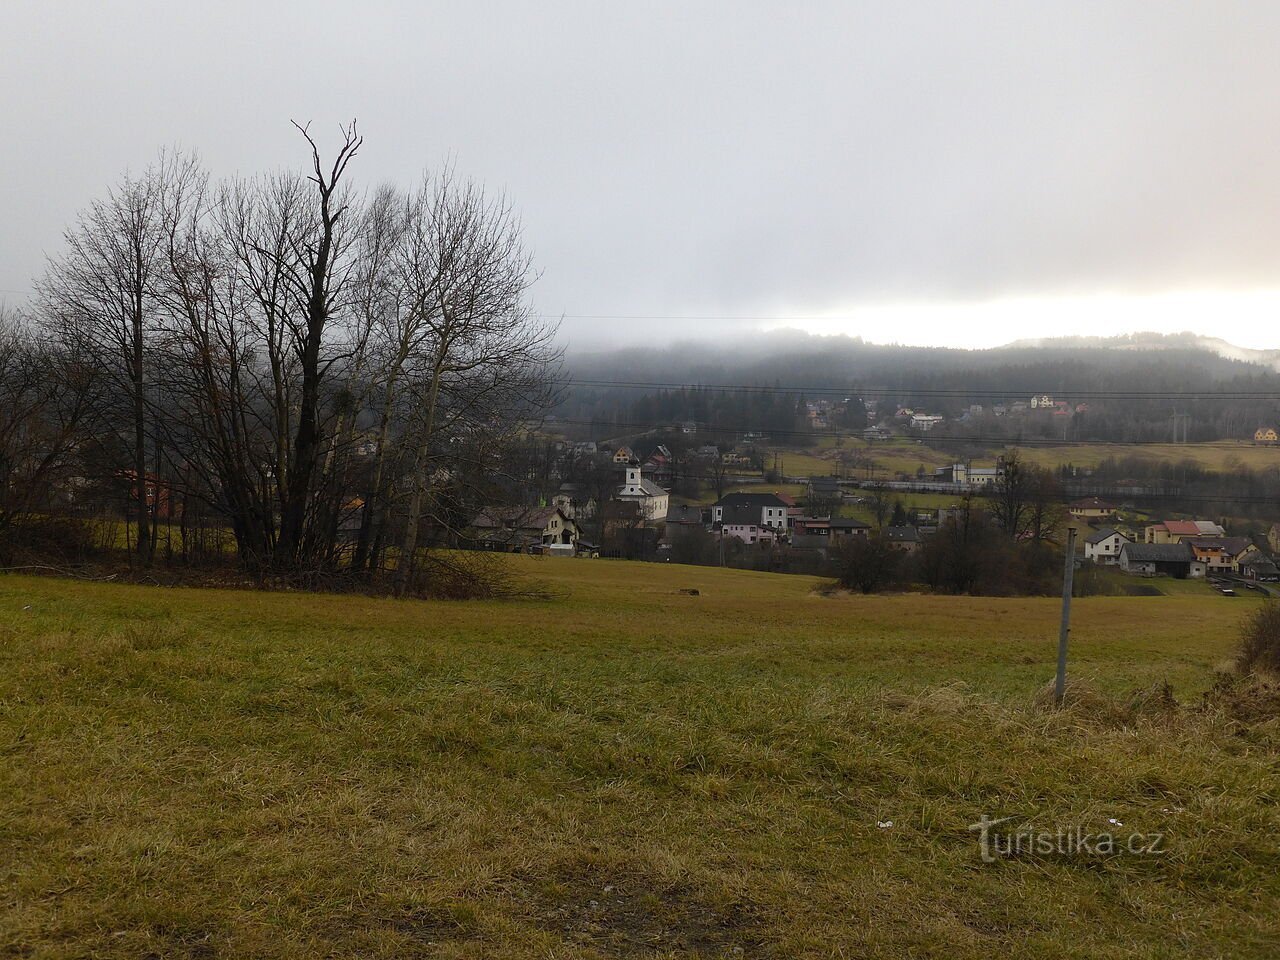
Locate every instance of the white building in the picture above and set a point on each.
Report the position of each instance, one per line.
(647, 495)
(983, 476)
(964, 475)
(1105, 545)
(926, 421)
(759, 509)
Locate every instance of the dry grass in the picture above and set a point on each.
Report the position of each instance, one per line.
(905, 455)
(1217, 455)
(630, 771)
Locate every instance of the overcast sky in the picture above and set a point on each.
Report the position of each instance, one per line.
(951, 173)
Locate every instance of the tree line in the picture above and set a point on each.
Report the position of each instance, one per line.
(330, 374)
(1154, 376)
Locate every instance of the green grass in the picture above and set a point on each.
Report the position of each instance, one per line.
(624, 771)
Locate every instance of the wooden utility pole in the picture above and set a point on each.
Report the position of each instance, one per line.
(1068, 571)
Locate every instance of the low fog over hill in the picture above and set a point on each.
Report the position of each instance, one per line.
(1131, 386)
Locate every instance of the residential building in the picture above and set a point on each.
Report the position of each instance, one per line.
(793, 509)
(519, 527)
(685, 515)
(906, 539)
(658, 467)
(924, 422)
(743, 521)
(1104, 545)
(829, 528)
(574, 500)
(1092, 508)
(1222, 554)
(1212, 554)
(649, 498)
(1265, 435)
(1208, 528)
(623, 455)
(1175, 531)
(770, 509)
(1259, 567)
(876, 433)
(823, 532)
(1041, 401)
(823, 492)
(1172, 559)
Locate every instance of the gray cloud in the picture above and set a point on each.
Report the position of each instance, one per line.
(732, 159)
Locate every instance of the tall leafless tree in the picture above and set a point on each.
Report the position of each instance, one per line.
(466, 276)
(100, 291)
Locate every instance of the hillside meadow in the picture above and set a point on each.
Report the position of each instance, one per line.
(906, 455)
(620, 770)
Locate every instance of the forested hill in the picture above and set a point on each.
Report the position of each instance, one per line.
(1132, 384)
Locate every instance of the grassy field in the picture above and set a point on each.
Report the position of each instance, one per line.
(905, 456)
(1211, 456)
(623, 771)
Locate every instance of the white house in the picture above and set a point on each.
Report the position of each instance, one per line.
(767, 509)
(743, 521)
(1104, 546)
(647, 495)
(926, 421)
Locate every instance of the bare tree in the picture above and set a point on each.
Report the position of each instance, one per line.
(466, 276)
(43, 398)
(317, 274)
(1024, 499)
(99, 292)
(880, 503)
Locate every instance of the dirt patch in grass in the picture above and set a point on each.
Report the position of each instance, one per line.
(431, 926)
(637, 916)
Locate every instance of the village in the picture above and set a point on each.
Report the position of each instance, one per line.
(619, 500)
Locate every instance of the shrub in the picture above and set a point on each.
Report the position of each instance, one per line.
(1260, 645)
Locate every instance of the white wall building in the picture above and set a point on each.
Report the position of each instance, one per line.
(651, 498)
(1105, 545)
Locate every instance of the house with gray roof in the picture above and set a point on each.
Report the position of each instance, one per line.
(1103, 546)
(902, 538)
(770, 509)
(1176, 560)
